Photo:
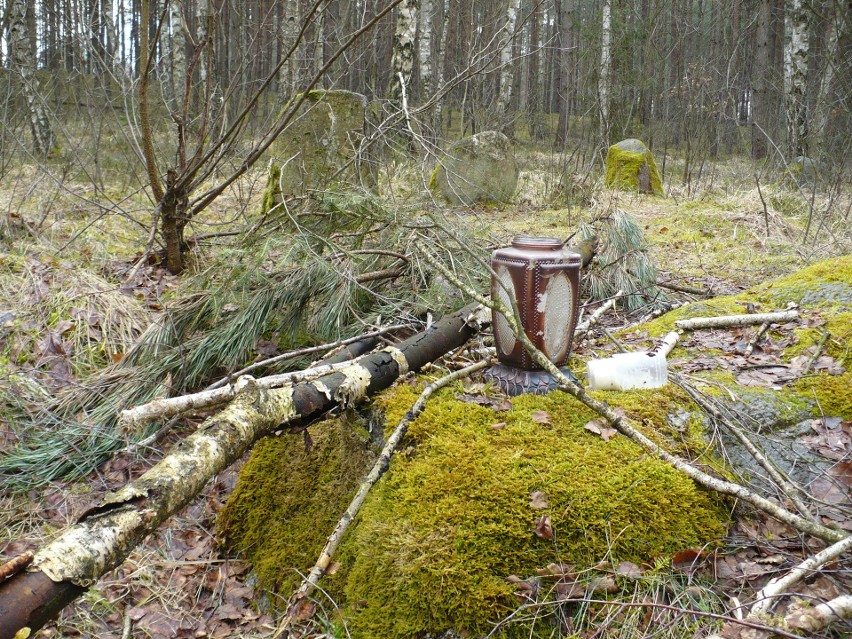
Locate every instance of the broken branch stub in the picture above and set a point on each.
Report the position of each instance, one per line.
(104, 536)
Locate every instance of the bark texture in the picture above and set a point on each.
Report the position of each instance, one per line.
(105, 535)
(24, 63)
(796, 50)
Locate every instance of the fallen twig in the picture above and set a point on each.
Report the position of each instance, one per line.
(815, 618)
(16, 565)
(793, 492)
(584, 326)
(304, 351)
(767, 597)
(819, 348)
(682, 288)
(728, 321)
(755, 339)
(301, 595)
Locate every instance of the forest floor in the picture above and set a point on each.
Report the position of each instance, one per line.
(61, 269)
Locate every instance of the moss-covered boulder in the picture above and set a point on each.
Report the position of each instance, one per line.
(478, 168)
(630, 165)
(322, 144)
(456, 514)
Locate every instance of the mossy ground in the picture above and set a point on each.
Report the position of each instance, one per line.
(452, 519)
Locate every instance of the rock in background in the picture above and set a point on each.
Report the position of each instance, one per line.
(630, 165)
(324, 139)
(478, 168)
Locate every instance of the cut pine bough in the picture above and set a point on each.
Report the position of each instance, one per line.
(106, 534)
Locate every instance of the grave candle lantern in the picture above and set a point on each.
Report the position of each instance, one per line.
(543, 276)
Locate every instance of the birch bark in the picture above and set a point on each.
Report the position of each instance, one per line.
(796, 50)
(403, 48)
(425, 52)
(507, 66)
(606, 64)
(178, 51)
(23, 63)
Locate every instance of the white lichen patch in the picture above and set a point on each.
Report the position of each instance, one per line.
(354, 387)
(322, 388)
(85, 552)
(397, 356)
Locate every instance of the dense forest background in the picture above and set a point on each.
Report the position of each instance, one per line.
(756, 76)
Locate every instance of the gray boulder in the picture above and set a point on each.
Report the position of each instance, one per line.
(478, 168)
(322, 144)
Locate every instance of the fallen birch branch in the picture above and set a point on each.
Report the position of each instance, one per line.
(728, 321)
(131, 419)
(629, 429)
(298, 599)
(775, 588)
(755, 339)
(792, 491)
(811, 619)
(105, 535)
(819, 617)
(321, 348)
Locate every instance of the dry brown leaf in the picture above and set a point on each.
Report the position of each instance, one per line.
(543, 528)
(629, 569)
(498, 426)
(540, 417)
(538, 500)
(600, 427)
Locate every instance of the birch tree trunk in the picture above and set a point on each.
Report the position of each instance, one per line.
(425, 50)
(290, 30)
(440, 69)
(402, 61)
(178, 51)
(507, 67)
(796, 50)
(606, 64)
(23, 63)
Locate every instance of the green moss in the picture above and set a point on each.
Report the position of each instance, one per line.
(452, 519)
(831, 392)
(827, 284)
(622, 168)
(289, 497)
(272, 192)
(433, 179)
(838, 346)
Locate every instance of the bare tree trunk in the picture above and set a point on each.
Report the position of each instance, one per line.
(759, 84)
(606, 65)
(564, 16)
(402, 61)
(796, 50)
(290, 30)
(507, 67)
(837, 22)
(178, 52)
(23, 62)
(441, 68)
(425, 50)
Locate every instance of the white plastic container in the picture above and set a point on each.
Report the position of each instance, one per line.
(625, 371)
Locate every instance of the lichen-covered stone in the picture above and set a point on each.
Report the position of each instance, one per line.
(630, 165)
(478, 168)
(321, 145)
